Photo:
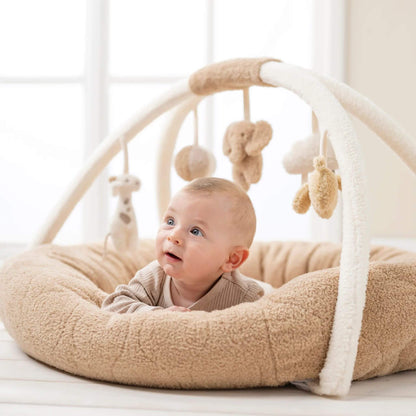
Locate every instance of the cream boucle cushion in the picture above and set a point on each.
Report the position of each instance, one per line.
(50, 301)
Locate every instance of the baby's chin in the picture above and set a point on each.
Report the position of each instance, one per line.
(170, 270)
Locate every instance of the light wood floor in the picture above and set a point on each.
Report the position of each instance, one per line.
(28, 387)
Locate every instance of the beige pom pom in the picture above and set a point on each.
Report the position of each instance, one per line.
(194, 162)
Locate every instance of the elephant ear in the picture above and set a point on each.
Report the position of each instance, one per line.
(226, 146)
(260, 139)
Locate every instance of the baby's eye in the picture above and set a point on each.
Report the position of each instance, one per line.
(170, 221)
(197, 232)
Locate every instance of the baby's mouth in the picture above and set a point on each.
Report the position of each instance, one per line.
(172, 256)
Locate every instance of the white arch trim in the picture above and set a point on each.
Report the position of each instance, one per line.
(336, 375)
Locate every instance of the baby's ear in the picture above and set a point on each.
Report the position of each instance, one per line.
(237, 257)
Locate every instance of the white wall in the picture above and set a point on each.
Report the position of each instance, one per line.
(381, 64)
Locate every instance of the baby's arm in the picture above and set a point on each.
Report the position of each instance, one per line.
(140, 294)
(128, 299)
(123, 300)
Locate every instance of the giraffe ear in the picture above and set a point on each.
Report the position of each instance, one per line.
(112, 179)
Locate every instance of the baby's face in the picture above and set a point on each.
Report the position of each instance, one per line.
(195, 238)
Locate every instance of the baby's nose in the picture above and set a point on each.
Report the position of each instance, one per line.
(174, 238)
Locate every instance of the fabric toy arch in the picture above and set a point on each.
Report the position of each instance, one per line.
(329, 100)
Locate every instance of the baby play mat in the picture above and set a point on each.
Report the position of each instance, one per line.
(338, 312)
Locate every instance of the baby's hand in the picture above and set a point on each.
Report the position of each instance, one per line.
(178, 309)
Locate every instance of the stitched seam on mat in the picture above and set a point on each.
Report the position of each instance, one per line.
(30, 330)
(270, 346)
(62, 327)
(309, 259)
(203, 347)
(73, 331)
(318, 318)
(74, 361)
(377, 349)
(407, 344)
(285, 267)
(150, 358)
(117, 359)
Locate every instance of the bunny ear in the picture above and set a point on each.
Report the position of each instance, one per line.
(260, 139)
(302, 202)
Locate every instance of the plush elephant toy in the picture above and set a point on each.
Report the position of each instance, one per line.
(243, 143)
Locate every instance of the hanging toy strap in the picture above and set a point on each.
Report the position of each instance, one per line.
(194, 161)
(315, 123)
(196, 127)
(246, 99)
(323, 145)
(123, 145)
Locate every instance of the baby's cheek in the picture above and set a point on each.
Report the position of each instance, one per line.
(206, 254)
(159, 242)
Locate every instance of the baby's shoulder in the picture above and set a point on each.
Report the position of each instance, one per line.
(248, 284)
(151, 276)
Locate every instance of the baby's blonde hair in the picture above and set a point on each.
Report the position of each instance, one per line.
(242, 207)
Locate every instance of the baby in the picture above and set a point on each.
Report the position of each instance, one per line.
(204, 237)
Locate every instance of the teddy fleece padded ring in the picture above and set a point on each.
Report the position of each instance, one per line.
(50, 301)
(346, 318)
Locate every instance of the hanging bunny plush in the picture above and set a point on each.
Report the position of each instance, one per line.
(320, 187)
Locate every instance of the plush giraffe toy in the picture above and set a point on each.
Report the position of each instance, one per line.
(123, 228)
